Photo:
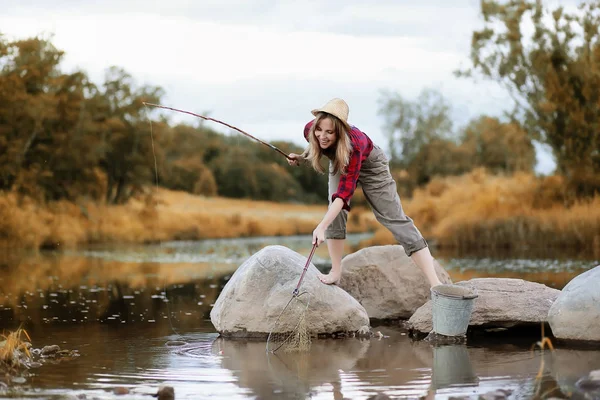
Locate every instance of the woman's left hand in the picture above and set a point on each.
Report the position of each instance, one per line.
(318, 235)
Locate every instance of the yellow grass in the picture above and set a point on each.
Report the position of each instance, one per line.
(479, 210)
(164, 215)
(476, 210)
(11, 345)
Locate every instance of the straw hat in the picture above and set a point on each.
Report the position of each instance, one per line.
(338, 108)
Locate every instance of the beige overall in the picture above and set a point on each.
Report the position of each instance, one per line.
(380, 192)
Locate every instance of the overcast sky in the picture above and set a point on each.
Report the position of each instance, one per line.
(262, 65)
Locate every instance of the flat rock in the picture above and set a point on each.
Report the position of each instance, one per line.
(387, 282)
(501, 302)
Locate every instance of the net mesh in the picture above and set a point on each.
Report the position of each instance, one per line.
(290, 331)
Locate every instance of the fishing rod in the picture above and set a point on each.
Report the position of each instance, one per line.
(222, 123)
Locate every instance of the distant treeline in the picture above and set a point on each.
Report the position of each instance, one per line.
(65, 137)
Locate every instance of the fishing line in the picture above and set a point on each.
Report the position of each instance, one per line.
(156, 182)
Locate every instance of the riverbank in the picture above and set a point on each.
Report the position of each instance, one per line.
(470, 212)
(163, 215)
(482, 211)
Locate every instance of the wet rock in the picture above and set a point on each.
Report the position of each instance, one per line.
(364, 332)
(575, 315)
(18, 380)
(590, 384)
(386, 282)
(379, 396)
(34, 364)
(438, 339)
(165, 393)
(498, 394)
(120, 390)
(501, 302)
(260, 288)
(50, 350)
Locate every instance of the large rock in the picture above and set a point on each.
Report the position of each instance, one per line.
(501, 302)
(386, 281)
(260, 288)
(575, 315)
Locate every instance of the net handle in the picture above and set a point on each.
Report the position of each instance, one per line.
(312, 252)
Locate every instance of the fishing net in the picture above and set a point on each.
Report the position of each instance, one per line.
(290, 331)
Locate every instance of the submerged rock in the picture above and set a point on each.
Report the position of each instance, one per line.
(165, 393)
(501, 303)
(261, 287)
(575, 315)
(387, 282)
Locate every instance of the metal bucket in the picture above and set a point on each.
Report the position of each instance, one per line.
(451, 309)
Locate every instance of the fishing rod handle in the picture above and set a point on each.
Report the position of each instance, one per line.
(312, 252)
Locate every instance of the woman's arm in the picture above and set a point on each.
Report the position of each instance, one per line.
(332, 212)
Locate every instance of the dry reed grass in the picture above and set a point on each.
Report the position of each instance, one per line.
(12, 347)
(160, 216)
(478, 210)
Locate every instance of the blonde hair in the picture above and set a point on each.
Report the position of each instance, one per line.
(343, 146)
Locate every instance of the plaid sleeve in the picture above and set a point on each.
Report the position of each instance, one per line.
(348, 180)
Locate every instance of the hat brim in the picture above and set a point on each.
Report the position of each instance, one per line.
(316, 111)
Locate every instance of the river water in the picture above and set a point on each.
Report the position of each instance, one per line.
(138, 318)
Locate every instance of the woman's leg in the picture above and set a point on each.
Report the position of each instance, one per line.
(380, 191)
(335, 236)
(336, 251)
(424, 261)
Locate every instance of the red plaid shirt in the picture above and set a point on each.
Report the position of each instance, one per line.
(361, 148)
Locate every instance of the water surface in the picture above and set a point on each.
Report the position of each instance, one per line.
(139, 318)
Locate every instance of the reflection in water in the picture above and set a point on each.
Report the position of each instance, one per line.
(452, 366)
(289, 375)
(139, 317)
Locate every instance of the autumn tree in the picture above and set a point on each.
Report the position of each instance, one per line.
(127, 142)
(549, 61)
(44, 149)
(410, 125)
(497, 146)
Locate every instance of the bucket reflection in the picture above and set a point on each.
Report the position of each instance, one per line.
(452, 367)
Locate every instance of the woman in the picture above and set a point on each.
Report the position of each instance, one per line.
(353, 158)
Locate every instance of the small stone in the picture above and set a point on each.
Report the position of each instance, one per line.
(34, 364)
(588, 385)
(379, 396)
(364, 331)
(50, 350)
(18, 380)
(595, 375)
(120, 390)
(165, 393)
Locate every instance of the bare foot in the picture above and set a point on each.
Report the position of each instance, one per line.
(331, 279)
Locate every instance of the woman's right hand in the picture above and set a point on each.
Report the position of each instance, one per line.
(295, 159)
